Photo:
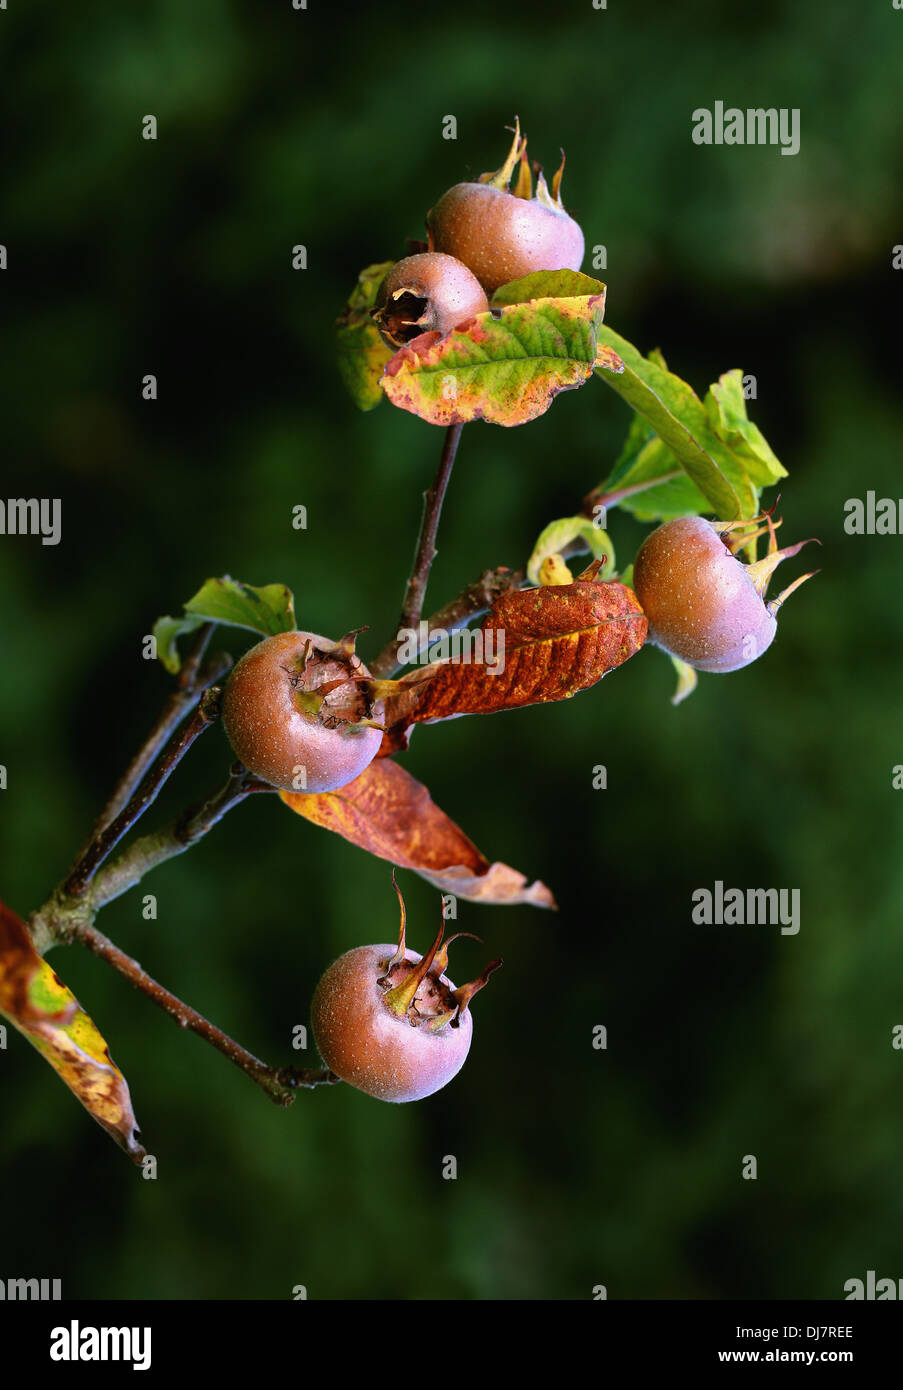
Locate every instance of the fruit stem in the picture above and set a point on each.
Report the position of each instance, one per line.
(279, 1085)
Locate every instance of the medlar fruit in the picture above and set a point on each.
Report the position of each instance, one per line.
(426, 293)
(704, 605)
(390, 1022)
(502, 235)
(297, 712)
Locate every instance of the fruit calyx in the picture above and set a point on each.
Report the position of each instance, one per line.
(327, 685)
(523, 188)
(417, 991)
(405, 318)
(760, 571)
(430, 292)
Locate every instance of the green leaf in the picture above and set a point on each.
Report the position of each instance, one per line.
(558, 534)
(167, 632)
(267, 610)
(726, 407)
(270, 609)
(686, 680)
(547, 284)
(35, 1000)
(680, 420)
(652, 484)
(361, 352)
(505, 366)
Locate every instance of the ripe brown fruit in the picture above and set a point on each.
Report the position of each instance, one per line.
(298, 714)
(502, 235)
(426, 293)
(704, 605)
(390, 1023)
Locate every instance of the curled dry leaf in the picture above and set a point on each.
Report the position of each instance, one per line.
(536, 646)
(35, 1000)
(389, 813)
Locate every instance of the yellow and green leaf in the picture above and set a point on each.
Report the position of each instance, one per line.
(361, 352)
(38, 1004)
(505, 366)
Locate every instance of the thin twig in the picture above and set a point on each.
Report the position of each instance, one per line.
(148, 851)
(476, 599)
(102, 845)
(279, 1084)
(426, 546)
(597, 498)
(61, 918)
(425, 554)
(193, 679)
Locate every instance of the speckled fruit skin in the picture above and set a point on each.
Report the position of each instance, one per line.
(272, 737)
(370, 1048)
(502, 237)
(452, 294)
(701, 604)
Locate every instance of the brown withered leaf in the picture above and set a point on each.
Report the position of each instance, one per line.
(37, 1002)
(389, 813)
(558, 640)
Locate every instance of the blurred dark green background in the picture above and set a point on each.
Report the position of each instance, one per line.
(576, 1167)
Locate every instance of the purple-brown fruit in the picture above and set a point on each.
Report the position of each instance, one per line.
(704, 605)
(426, 293)
(390, 1023)
(298, 714)
(502, 235)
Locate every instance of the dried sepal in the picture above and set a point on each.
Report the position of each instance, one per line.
(465, 993)
(402, 946)
(523, 188)
(556, 182)
(440, 964)
(399, 998)
(774, 604)
(502, 176)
